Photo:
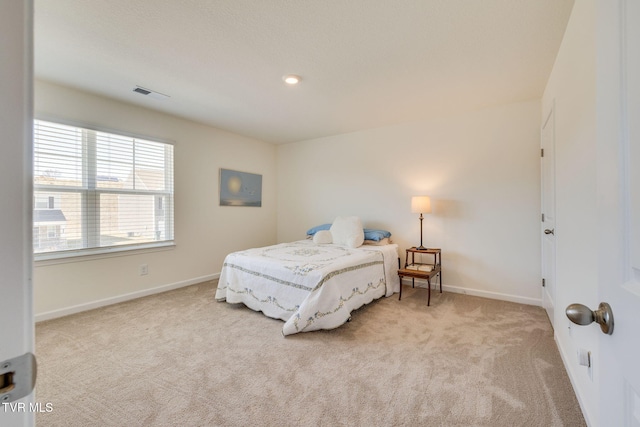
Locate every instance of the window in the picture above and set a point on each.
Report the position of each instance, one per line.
(98, 192)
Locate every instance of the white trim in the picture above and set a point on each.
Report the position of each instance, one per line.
(89, 254)
(435, 288)
(97, 190)
(97, 128)
(40, 317)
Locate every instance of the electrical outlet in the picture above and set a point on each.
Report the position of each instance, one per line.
(586, 359)
(144, 269)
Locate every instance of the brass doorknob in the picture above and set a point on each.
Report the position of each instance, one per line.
(583, 315)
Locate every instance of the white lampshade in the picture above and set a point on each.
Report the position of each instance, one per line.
(420, 204)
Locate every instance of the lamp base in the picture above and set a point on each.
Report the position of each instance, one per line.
(421, 247)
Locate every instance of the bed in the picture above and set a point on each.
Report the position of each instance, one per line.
(309, 285)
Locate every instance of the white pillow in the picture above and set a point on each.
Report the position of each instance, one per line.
(347, 231)
(322, 237)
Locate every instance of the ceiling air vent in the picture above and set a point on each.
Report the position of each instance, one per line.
(150, 93)
(142, 91)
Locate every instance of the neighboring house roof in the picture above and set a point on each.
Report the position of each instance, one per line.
(148, 179)
(48, 215)
(105, 178)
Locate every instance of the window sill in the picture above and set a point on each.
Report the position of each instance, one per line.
(99, 253)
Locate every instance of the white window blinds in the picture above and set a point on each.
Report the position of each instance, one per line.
(96, 191)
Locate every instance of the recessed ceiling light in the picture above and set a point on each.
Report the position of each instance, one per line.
(291, 79)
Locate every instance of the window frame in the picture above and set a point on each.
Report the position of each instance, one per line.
(89, 214)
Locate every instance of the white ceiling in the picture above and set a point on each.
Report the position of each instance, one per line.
(364, 63)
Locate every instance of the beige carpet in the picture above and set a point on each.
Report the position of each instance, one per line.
(182, 359)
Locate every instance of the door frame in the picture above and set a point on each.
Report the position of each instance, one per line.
(16, 227)
(548, 271)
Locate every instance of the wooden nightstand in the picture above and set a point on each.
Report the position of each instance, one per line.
(422, 270)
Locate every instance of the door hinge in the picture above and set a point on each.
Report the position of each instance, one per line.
(542, 152)
(17, 377)
(542, 217)
(544, 283)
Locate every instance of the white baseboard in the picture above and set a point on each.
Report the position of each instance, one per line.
(481, 293)
(40, 317)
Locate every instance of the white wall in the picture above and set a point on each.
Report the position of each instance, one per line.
(482, 170)
(204, 231)
(572, 86)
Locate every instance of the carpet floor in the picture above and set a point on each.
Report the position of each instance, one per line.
(182, 359)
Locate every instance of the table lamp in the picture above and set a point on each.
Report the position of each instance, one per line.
(421, 204)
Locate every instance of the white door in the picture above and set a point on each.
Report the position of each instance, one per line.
(16, 317)
(618, 204)
(547, 163)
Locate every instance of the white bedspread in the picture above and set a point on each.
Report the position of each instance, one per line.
(307, 285)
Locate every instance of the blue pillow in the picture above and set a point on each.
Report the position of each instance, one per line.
(375, 235)
(314, 230)
(369, 233)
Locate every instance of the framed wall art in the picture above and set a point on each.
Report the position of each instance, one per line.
(240, 188)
